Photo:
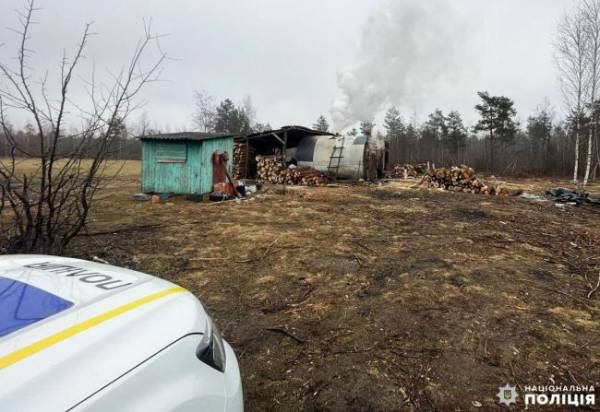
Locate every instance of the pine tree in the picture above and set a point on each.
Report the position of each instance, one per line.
(393, 125)
(539, 129)
(366, 127)
(457, 133)
(321, 124)
(231, 119)
(497, 119)
(435, 134)
(116, 137)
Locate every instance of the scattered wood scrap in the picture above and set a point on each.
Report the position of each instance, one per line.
(595, 288)
(285, 332)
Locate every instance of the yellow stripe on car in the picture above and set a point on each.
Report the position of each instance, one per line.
(42, 344)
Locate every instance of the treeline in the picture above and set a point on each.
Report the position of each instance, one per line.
(497, 144)
(27, 143)
(124, 143)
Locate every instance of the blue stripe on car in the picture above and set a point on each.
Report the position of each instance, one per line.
(22, 304)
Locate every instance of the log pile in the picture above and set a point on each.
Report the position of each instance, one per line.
(422, 168)
(458, 179)
(239, 159)
(311, 177)
(271, 169)
(405, 171)
(268, 168)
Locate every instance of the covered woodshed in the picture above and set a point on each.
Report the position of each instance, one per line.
(338, 156)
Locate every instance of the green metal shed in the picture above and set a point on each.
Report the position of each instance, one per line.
(181, 163)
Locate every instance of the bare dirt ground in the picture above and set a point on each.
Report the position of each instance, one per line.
(376, 298)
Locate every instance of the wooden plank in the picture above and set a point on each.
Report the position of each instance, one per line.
(278, 138)
(247, 166)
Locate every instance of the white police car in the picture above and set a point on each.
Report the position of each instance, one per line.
(78, 335)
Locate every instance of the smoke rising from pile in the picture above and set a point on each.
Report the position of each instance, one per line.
(404, 48)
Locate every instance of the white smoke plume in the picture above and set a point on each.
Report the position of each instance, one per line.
(405, 47)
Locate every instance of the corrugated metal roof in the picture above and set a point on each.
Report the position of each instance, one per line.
(291, 128)
(294, 135)
(185, 136)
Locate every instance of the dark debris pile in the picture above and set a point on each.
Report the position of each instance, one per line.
(564, 195)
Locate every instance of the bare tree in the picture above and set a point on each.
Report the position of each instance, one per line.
(590, 10)
(143, 125)
(571, 51)
(43, 207)
(206, 112)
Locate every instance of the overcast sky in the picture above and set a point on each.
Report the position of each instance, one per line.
(287, 54)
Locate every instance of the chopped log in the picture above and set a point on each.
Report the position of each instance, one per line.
(239, 159)
(459, 179)
(272, 170)
(407, 170)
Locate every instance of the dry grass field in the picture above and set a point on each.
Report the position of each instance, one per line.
(123, 168)
(375, 297)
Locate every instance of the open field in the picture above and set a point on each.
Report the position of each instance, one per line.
(377, 297)
(124, 168)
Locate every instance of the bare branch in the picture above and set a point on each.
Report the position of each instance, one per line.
(50, 203)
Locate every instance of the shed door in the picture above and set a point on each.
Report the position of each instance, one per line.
(208, 148)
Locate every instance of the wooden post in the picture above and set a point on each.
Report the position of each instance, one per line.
(284, 145)
(247, 165)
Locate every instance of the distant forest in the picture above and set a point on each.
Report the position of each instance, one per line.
(497, 144)
(543, 145)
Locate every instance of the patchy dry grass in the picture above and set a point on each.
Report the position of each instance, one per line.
(399, 299)
(123, 168)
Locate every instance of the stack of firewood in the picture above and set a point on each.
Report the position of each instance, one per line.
(408, 170)
(311, 177)
(405, 171)
(239, 159)
(271, 169)
(457, 179)
(268, 168)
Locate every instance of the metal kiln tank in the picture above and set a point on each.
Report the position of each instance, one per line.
(316, 152)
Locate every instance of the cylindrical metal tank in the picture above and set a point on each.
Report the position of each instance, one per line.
(316, 152)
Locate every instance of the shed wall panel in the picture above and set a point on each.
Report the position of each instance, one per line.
(208, 148)
(162, 176)
(195, 168)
